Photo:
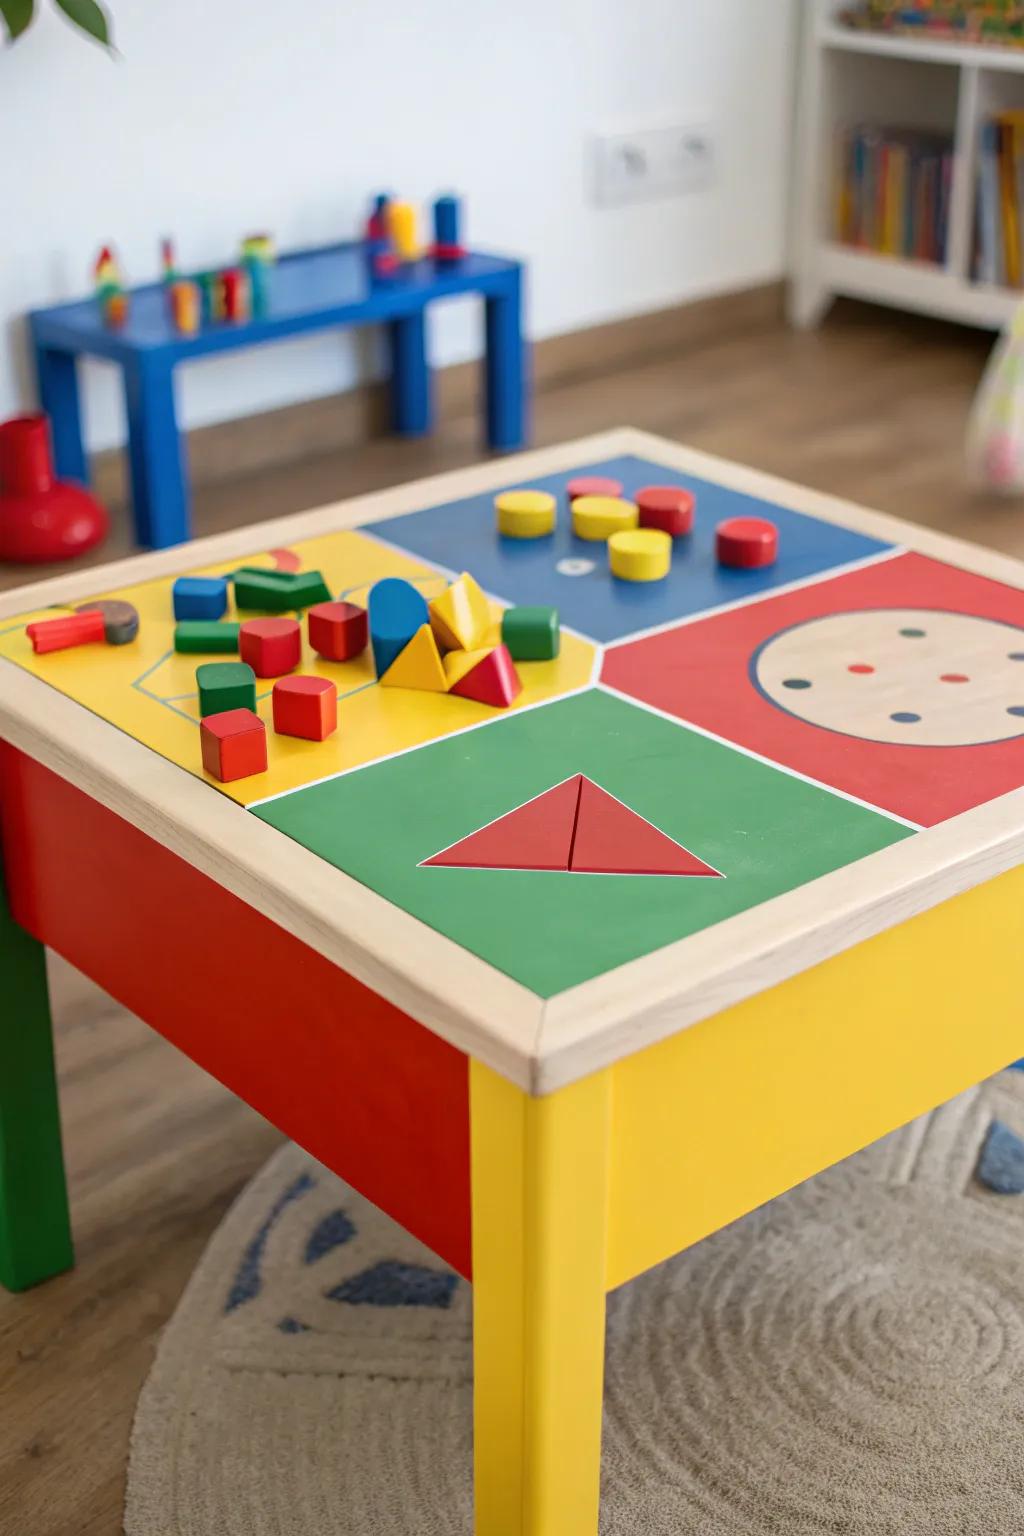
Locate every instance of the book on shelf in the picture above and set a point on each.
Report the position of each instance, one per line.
(999, 221)
(891, 191)
(971, 21)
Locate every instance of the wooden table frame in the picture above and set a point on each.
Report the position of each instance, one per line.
(560, 1147)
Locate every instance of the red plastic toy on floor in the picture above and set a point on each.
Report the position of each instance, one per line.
(41, 518)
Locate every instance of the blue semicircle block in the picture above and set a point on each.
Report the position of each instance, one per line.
(396, 612)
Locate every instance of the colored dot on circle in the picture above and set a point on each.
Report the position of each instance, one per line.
(860, 667)
(912, 634)
(795, 682)
(954, 677)
(904, 717)
(1016, 709)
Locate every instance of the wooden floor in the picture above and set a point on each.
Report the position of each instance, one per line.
(871, 407)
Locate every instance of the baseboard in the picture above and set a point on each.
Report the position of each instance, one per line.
(272, 438)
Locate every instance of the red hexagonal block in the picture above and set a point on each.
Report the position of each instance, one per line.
(306, 707)
(234, 744)
(338, 631)
(270, 646)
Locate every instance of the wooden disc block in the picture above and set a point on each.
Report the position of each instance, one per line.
(640, 554)
(120, 619)
(597, 517)
(746, 542)
(271, 646)
(667, 507)
(525, 514)
(592, 485)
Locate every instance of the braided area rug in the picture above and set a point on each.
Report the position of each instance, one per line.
(848, 1359)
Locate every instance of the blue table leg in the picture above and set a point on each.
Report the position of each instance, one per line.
(505, 367)
(156, 454)
(57, 381)
(411, 394)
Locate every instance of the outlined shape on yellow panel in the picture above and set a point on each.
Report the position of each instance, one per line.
(148, 690)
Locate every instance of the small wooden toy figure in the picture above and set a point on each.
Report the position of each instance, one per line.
(995, 428)
(258, 256)
(113, 300)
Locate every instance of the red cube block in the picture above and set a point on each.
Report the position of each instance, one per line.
(667, 507)
(270, 646)
(305, 706)
(234, 744)
(338, 631)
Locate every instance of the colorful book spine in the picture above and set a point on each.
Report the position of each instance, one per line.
(892, 191)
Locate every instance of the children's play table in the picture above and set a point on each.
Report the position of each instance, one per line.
(555, 1076)
(313, 290)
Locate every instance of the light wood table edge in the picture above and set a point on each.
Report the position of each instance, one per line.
(446, 988)
(358, 510)
(595, 1024)
(831, 509)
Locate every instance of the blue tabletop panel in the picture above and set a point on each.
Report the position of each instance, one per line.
(461, 535)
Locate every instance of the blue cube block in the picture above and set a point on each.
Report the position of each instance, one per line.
(200, 597)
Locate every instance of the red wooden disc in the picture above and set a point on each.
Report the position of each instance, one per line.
(592, 485)
(667, 507)
(746, 541)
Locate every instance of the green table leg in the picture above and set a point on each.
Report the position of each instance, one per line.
(35, 1232)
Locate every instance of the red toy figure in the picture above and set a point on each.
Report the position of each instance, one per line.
(41, 518)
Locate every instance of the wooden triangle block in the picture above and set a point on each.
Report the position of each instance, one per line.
(461, 616)
(537, 835)
(610, 839)
(418, 665)
(493, 680)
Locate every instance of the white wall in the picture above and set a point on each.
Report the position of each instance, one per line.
(221, 116)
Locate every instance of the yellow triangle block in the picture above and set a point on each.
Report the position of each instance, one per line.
(461, 616)
(458, 663)
(418, 665)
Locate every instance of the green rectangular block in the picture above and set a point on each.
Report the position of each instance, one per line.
(278, 591)
(204, 635)
(531, 634)
(225, 685)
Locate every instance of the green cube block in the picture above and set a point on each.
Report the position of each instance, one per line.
(278, 591)
(531, 634)
(206, 635)
(225, 685)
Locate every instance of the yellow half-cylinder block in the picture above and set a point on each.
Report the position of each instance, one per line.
(525, 514)
(640, 554)
(461, 616)
(598, 517)
(418, 665)
(458, 663)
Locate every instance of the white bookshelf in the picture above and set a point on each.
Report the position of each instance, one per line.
(849, 77)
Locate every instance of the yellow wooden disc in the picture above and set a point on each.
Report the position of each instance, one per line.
(640, 554)
(597, 517)
(525, 514)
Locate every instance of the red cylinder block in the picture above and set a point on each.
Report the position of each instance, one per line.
(747, 542)
(667, 507)
(41, 518)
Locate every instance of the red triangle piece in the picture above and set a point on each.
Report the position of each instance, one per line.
(611, 839)
(537, 835)
(492, 681)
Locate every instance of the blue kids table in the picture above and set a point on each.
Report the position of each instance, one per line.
(307, 291)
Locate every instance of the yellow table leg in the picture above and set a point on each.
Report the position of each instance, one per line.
(540, 1188)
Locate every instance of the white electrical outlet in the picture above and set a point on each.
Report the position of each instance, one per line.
(652, 162)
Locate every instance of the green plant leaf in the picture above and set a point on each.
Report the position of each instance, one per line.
(90, 17)
(17, 15)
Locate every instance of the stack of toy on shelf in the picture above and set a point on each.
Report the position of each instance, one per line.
(965, 21)
(110, 292)
(999, 245)
(892, 189)
(392, 239)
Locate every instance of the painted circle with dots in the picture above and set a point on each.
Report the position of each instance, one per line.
(913, 676)
(575, 566)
